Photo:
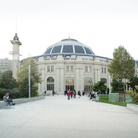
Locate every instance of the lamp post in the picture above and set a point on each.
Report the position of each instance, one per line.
(29, 68)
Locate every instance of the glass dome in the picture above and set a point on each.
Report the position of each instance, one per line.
(68, 47)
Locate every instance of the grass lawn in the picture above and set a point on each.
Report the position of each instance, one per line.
(104, 99)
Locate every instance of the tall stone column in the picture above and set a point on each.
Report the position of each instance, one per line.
(57, 83)
(78, 79)
(16, 55)
(62, 81)
(96, 75)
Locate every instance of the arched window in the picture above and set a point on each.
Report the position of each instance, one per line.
(104, 80)
(50, 83)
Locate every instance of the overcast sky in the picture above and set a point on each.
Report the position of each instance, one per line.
(102, 25)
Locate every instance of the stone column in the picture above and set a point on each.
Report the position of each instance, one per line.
(79, 79)
(62, 81)
(57, 81)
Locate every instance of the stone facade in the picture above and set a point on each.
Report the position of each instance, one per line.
(79, 73)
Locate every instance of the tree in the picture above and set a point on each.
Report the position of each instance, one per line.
(100, 86)
(34, 77)
(117, 85)
(7, 81)
(122, 65)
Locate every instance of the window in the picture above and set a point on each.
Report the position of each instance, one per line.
(71, 68)
(87, 88)
(48, 51)
(103, 70)
(50, 86)
(86, 68)
(50, 83)
(87, 50)
(67, 49)
(67, 68)
(104, 80)
(90, 69)
(56, 49)
(79, 49)
(48, 68)
(52, 68)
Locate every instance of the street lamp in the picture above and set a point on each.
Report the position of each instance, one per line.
(29, 68)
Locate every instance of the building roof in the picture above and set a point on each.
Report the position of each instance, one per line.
(69, 47)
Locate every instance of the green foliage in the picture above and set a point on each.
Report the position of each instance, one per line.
(105, 99)
(133, 82)
(34, 77)
(100, 86)
(122, 65)
(13, 93)
(24, 88)
(133, 95)
(7, 81)
(117, 85)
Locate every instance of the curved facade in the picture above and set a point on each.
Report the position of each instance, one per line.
(71, 64)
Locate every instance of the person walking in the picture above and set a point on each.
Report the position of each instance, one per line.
(74, 93)
(79, 94)
(92, 95)
(69, 93)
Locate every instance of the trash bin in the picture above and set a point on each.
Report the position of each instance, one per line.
(122, 96)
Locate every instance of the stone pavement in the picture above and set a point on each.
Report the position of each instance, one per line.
(57, 117)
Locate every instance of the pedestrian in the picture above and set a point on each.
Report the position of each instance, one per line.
(79, 94)
(92, 95)
(69, 93)
(45, 92)
(74, 93)
(83, 93)
(53, 92)
(8, 100)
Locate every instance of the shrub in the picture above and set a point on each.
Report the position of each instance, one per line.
(133, 95)
(14, 93)
(100, 86)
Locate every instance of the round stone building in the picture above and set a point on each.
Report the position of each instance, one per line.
(69, 64)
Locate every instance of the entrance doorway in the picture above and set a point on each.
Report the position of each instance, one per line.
(69, 83)
(71, 87)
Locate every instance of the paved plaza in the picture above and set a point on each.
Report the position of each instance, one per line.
(57, 117)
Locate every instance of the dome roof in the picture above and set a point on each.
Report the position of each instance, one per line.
(69, 47)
